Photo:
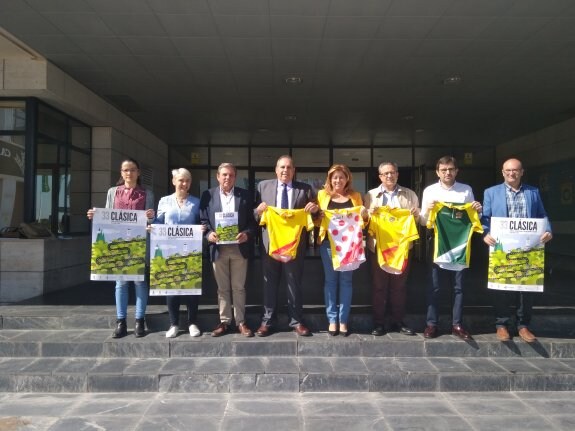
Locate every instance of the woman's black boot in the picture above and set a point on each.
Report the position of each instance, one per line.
(121, 329)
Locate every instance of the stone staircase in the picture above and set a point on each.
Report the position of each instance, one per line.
(69, 349)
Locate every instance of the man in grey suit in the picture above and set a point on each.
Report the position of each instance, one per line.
(283, 192)
(229, 261)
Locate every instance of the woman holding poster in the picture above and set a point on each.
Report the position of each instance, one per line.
(129, 194)
(181, 208)
(342, 219)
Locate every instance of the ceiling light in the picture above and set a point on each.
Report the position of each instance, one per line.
(290, 117)
(452, 80)
(263, 130)
(294, 80)
(408, 117)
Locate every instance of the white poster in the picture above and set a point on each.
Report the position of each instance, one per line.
(175, 259)
(226, 227)
(517, 260)
(118, 245)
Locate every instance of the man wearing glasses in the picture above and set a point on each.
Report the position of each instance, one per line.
(445, 190)
(517, 200)
(387, 284)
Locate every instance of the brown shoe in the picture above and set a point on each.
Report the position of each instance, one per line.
(263, 331)
(503, 334)
(458, 331)
(244, 330)
(430, 331)
(220, 330)
(527, 336)
(301, 330)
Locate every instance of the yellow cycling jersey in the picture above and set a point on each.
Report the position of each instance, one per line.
(284, 229)
(344, 227)
(393, 229)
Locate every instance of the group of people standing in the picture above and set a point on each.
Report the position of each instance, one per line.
(297, 203)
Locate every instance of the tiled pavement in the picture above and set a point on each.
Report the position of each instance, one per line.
(304, 411)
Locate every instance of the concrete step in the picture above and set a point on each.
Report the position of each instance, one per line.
(100, 344)
(549, 321)
(285, 374)
(70, 349)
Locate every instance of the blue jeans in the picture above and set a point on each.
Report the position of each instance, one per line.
(443, 279)
(523, 301)
(330, 288)
(122, 295)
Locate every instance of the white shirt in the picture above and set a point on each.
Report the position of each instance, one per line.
(458, 193)
(279, 194)
(227, 199)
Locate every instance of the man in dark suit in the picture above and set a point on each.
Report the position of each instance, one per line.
(283, 192)
(513, 199)
(230, 261)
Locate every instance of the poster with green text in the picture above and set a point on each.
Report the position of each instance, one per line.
(175, 259)
(118, 245)
(517, 260)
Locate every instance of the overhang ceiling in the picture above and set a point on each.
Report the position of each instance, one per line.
(372, 71)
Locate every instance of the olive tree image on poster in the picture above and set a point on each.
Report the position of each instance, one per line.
(118, 245)
(175, 260)
(517, 260)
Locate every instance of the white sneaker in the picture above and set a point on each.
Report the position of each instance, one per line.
(172, 332)
(194, 331)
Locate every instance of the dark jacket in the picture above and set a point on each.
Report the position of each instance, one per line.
(210, 204)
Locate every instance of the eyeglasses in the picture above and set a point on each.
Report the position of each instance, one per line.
(512, 171)
(385, 174)
(126, 171)
(445, 170)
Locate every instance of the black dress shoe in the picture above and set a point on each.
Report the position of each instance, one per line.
(378, 331)
(430, 332)
(458, 331)
(333, 333)
(402, 328)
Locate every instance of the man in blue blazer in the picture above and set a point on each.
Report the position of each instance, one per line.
(229, 261)
(513, 199)
(293, 195)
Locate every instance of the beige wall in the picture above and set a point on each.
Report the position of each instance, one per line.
(115, 135)
(56, 263)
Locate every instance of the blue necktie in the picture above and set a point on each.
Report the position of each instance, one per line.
(285, 201)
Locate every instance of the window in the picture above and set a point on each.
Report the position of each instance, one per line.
(12, 115)
(52, 184)
(62, 172)
(11, 180)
